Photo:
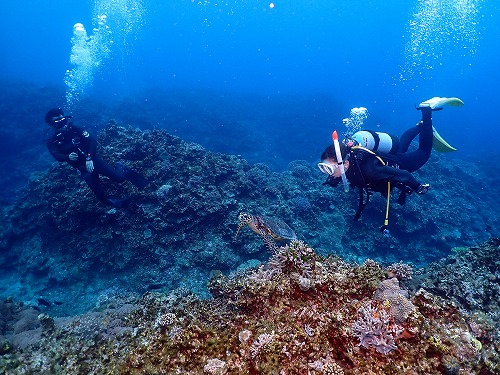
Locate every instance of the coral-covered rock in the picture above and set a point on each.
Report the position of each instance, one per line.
(269, 325)
(180, 229)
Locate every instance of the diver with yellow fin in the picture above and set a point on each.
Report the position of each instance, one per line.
(379, 162)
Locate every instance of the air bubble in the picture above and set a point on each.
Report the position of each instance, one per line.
(355, 122)
(438, 30)
(115, 23)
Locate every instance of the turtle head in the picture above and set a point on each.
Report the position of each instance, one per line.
(245, 219)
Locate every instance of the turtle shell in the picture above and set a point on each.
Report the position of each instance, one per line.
(277, 228)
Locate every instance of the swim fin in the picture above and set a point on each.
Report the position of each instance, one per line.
(438, 102)
(139, 181)
(439, 144)
(119, 202)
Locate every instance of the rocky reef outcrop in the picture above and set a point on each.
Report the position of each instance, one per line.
(299, 313)
(58, 241)
(135, 280)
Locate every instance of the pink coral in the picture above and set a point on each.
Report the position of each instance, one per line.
(374, 329)
(215, 366)
(260, 342)
(400, 270)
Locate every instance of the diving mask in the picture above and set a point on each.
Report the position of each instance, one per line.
(328, 168)
(60, 122)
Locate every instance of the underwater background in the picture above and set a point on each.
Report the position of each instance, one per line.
(226, 106)
(291, 70)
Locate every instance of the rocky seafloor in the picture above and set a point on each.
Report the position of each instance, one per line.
(127, 277)
(299, 313)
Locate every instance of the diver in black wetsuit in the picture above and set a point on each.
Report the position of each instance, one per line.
(398, 163)
(77, 147)
(379, 162)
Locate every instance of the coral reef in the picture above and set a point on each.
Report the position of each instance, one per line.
(269, 325)
(137, 278)
(374, 329)
(400, 270)
(58, 237)
(470, 279)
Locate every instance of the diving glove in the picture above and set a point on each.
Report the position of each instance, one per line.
(424, 188)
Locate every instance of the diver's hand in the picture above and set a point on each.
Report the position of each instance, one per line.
(90, 166)
(73, 156)
(424, 188)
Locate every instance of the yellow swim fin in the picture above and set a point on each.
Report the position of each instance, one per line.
(438, 102)
(439, 144)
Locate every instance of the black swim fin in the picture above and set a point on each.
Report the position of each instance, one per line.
(119, 202)
(139, 181)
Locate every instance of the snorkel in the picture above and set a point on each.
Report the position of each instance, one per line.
(336, 145)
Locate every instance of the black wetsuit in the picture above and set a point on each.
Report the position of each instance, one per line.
(70, 139)
(366, 170)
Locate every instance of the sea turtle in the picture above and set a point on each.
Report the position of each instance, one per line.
(269, 228)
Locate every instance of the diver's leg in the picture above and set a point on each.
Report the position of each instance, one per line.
(407, 137)
(425, 137)
(412, 161)
(104, 168)
(120, 173)
(139, 181)
(94, 183)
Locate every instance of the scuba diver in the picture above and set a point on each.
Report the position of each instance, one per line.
(379, 162)
(77, 147)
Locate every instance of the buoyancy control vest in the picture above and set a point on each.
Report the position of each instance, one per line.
(365, 188)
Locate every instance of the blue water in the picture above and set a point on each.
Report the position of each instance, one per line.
(354, 52)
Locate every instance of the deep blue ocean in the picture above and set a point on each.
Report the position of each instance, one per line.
(265, 80)
(385, 56)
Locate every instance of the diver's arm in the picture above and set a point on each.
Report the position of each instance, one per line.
(402, 176)
(90, 149)
(92, 146)
(374, 171)
(56, 153)
(90, 142)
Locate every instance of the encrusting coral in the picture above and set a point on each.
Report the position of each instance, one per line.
(261, 321)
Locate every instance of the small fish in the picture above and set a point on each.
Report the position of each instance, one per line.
(155, 286)
(43, 302)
